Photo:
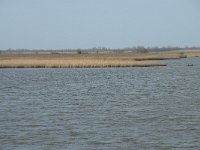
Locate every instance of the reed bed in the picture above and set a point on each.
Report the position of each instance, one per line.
(161, 56)
(68, 60)
(191, 53)
(19, 63)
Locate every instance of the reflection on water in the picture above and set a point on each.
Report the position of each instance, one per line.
(111, 108)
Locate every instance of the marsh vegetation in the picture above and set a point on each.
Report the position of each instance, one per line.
(89, 60)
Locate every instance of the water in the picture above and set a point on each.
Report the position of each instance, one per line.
(110, 108)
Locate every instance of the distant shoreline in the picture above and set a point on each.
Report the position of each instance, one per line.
(79, 59)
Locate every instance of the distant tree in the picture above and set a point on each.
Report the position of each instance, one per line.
(142, 49)
(78, 51)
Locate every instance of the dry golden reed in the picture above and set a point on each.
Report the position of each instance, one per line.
(20, 63)
(89, 60)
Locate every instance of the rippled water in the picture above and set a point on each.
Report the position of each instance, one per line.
(110, 108)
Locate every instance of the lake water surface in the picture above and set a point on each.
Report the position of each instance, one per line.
(103, 108)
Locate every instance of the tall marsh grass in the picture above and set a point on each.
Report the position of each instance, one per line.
(89, 60)
(19, 63)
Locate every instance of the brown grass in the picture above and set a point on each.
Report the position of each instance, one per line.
(126, 59)
(191, 53)
(161, 56)
(31, 63)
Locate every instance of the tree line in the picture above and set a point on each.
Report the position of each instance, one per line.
(141, 49)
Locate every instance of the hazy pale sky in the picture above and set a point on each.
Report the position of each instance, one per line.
(56, 24)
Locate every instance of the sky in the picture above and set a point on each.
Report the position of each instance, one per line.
(71, 24)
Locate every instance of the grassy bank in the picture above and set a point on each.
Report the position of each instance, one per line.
(77, 63)
(89, 60)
